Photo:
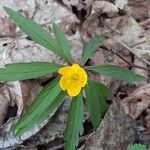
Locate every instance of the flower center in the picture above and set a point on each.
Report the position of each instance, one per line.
(75, 77)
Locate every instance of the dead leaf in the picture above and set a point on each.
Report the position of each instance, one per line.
(105, 7)
(137, 102)
(79, 7)
(7, 28)
(121, 4)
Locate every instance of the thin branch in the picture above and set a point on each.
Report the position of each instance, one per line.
(129, 63)
(61, 146)
(145, 23)
(132, 51)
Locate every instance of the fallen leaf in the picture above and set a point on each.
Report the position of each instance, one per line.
(137, 102)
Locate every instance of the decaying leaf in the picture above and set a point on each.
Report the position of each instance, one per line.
(10, 95)
(138, 101)
(104, 20)
(118, 129)
(81, 8)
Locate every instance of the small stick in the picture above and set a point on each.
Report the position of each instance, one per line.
(132, 51)
(129, 63)
(145, 23)
(60, 146)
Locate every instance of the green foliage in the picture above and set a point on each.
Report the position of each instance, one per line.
(23, 71)
(136, 147)
(89, 48)
(44, 105)
(74, 123)
(63, 42)
(35, 32)
(96, 103)
(105, 91)
(117, 72)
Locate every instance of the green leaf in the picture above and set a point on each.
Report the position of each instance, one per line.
(105, 91)
(89, 48)
(96, 103)
(43, 106)
(136, 147)
(117, 72)
(74, 123)
(23, 71)
(35, 32)
(63, 42)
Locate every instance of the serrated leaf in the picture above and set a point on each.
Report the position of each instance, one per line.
(74, 123)
(63, 42)
(117, 72)
(35, 32)
(89, 48)
(96, 103)
(136, 147)
(45, 104)
(23, 71)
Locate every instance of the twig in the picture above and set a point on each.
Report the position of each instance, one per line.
(110, 27)
(61, 146)
(129, 63)
(145, 23)
(141, 42)
(6, 35)
(132, 51)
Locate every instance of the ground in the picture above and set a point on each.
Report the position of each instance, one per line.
(125, 24)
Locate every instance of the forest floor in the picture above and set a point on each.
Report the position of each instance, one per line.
(125, 24)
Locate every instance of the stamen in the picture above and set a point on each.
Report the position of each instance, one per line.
(75, 77)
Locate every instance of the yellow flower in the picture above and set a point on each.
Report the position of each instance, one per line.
(73, 79)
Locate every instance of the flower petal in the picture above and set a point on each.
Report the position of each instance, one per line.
(64, 70)
(73, 79)
(74, 90)
(63, 83)
(83, 77)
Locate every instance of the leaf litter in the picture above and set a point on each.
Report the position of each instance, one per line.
(114, 20)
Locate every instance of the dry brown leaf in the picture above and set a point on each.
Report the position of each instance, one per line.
(10, 95)
(7, 28)
(121, 4)
(105, 7)
(4, 102)
(117, 130)
(137, 102)
(82, 8)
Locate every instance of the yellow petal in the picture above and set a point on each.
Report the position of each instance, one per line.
(73, 79)
(63, 83)
(83, 77)
(74, 90)
(64, 70)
